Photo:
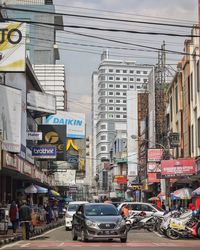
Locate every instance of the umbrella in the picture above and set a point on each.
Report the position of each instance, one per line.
(53, 193)
(153, 199)
(196, 191)
(30, 189)
(161, 196)
(183, 193)
(41, 190)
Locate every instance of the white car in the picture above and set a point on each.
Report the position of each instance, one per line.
(137, 207)
(71, 210)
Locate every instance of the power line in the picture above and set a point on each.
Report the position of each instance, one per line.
(104, 29)
(98, 18)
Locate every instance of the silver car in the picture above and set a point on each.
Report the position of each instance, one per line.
(98, 221)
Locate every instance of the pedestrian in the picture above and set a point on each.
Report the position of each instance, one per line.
(25, 217)
(107, 200)
(125, 211)
(14, 216)
(163, 206)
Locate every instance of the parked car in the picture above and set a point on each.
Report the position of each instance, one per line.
(98, 221)
(70, 211)
(138, 207)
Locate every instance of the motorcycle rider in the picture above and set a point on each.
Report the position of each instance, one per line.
(125, 211)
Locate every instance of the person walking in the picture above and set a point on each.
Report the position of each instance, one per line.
(14, 216)
(25, 218)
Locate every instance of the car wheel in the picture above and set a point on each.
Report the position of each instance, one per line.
(123, 240)
(83, 238)
(67, 228)
(74, 235)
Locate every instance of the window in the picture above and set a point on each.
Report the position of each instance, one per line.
(124, 71)
(103, 108)
(124, 86)
(124, 101)
(191, 84)
(145, 72)
(125, 79)
(136, 207)
(102, 78)
(124, 109)
(137, 72)
(111, 85)
(103, 93)
(138, 79)
(110, 116)
(103, 116)
(110, 78)
(117, 116)
(131, 79)
(117, 93)
(124, 116)
(103, 138)
(110, 70)
(118, 86)
(103, 86)
(110, 100)
(110, 93)
(192, 138)
(146, 208)
(138, 87)
(117, 71)
(198, 83)
(118, 108)
(103, 148)
(131, 86)
(117, 101)
(145, 80)
(103, 101)
(103, 126)
(117, 78)
(176, 96)
(111, 108)
(131, 71)
(199, 132)
(124, 94)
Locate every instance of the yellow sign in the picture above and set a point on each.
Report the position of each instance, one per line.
(12, 47)
(70, 143)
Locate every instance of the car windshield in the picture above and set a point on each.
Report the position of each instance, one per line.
(101, 210)
(158, 208)
(73, 207)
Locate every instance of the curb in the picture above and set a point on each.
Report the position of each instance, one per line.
(35, 233)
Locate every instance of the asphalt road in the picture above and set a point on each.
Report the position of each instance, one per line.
(59, 239)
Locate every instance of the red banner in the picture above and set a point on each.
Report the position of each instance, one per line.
(179, 167)
(120, 179)
(155, 154)
(152, 177)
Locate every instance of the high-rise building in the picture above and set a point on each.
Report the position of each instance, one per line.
(115, 78)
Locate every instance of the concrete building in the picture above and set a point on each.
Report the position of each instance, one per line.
(115, 78)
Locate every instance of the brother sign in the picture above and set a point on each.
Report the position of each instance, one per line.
(44, 152)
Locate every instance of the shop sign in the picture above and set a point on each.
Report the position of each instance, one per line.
(155, 154)
(135, 187)
(179, 167)
(10, 161)
(27, 169)
(44, 152)
(34, 136)
(120, 179)
(152, 177)
(153, 167)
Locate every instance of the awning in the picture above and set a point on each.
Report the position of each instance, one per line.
(53, 193)
(196, 191)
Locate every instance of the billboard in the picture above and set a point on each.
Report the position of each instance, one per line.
(75, 123)
(44, 152)
(153, 177)
(10, 118)
(65, 178)
(54, 135)
(12, 47)
(153, 167)
(179, 167)
(34, 136)
(155, 154)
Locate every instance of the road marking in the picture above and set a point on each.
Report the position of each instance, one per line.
(25, 245)
(61, 244)
(159, 235)
(50, 231)
(11, 245)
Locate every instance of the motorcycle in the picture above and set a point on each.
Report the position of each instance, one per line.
(140, 221)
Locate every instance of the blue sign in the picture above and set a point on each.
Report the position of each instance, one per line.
(44, 152)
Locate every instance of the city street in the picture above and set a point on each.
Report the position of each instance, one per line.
(61, 239)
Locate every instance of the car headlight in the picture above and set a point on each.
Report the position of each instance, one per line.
(90, 223)
(121, 223)
(68, 215)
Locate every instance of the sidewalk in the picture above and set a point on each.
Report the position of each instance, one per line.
(9, 237)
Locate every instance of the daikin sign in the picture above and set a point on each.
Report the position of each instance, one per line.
(75, 123)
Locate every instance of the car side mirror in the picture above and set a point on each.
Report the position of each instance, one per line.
(79, 213)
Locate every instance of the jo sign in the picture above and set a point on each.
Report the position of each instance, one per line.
(44, 152)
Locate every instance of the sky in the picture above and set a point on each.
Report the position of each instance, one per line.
(81, 61)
